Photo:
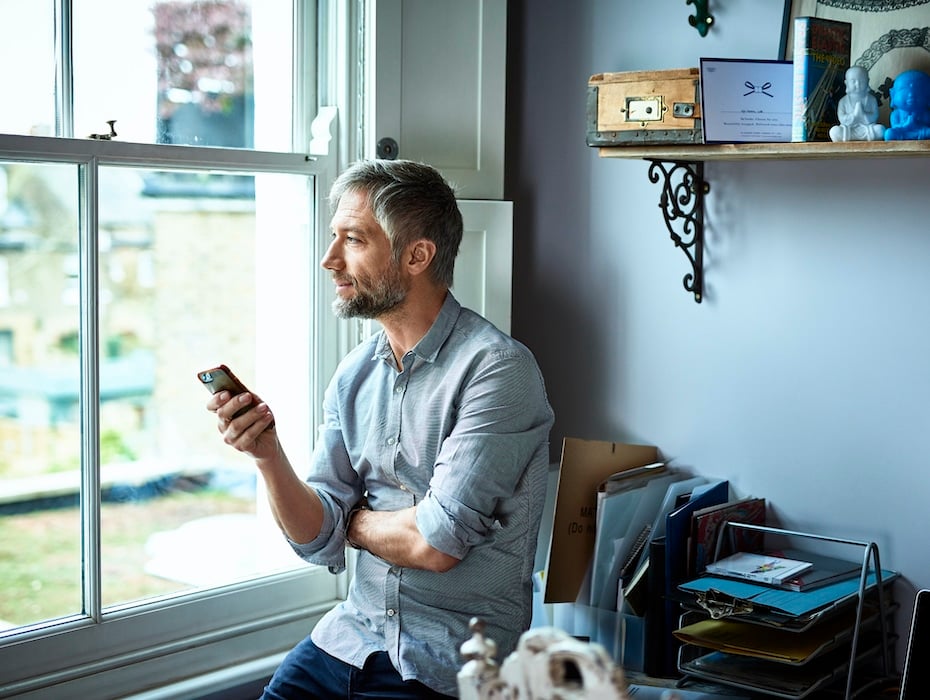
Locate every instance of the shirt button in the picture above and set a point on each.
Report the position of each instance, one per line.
(391, 612)
(398, 390)
(391, 441)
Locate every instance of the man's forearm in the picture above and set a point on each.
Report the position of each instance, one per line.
(296, 507)
(394, 537)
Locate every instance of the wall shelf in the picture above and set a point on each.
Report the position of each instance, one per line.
(680, 170)
(826, 150)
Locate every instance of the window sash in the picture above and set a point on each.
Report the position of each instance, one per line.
(116, 652)
(124, 649)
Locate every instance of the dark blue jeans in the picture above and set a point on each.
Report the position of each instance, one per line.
(309, 672)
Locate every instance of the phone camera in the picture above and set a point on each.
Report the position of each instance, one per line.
(206, 376)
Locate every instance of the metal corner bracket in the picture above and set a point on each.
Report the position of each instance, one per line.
(682, 202)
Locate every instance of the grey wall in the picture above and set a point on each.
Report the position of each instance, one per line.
(802, 376)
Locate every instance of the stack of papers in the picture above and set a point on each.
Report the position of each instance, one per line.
(759, 568)
(767, 643)
(826, 570)
(789, 603)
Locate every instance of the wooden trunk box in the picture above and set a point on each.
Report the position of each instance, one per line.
(644, 107)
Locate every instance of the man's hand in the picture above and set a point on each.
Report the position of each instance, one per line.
(253, 432)
(295, 506)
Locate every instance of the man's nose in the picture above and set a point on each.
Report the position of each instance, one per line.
(331, 259)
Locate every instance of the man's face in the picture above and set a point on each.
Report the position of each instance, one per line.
(368, 281)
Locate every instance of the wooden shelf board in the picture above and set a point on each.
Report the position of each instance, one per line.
(769, 151)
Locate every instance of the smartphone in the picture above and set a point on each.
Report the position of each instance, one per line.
(221, 378)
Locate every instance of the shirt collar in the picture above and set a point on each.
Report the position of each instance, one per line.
(428, 347)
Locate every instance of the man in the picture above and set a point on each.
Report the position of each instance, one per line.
(431, 460)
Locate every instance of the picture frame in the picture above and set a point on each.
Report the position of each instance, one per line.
(746, 100)
(888, 37)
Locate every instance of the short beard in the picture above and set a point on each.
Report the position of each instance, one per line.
(383, 296)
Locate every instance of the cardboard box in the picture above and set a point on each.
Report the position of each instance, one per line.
(584, 465)
(644, 107)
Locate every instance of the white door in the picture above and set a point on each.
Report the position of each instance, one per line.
(484, 268)
(439, 88)
(438, 94)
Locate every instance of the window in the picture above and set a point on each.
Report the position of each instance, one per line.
(159, 206)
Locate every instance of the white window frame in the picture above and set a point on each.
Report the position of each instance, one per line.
(118, 652)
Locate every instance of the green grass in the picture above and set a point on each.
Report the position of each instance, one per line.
(40, 553)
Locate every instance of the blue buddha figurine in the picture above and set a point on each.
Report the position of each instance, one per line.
(910, 107)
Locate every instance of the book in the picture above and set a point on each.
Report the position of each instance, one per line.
(821, 56)
(759, 568)
(632, 560)
(706, 525)
(677, 532)
(825, 570)
(635, 591)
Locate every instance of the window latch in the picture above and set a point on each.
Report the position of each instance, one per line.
(106, 137)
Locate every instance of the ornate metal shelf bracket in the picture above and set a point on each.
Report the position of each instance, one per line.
(682, 204)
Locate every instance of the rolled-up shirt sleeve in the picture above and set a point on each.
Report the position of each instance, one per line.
(339, 488)
(503, 419)
(325, 549)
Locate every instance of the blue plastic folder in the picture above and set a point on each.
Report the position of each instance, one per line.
(792, 603)
(677, 532)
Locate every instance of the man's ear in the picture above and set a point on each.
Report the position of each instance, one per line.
(419, 255)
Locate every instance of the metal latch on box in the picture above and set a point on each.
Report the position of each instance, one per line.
(652, 109)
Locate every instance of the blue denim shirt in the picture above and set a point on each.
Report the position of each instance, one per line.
(462, 433)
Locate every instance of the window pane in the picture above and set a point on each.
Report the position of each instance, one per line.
(184, 72)
(186, 281)
(185, 263)
(27, 81)
(40, 530)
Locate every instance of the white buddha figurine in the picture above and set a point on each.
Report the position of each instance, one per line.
(857, 110)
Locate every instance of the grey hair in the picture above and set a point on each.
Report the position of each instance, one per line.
(410, 201)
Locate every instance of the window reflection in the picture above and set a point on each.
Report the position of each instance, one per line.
(183, 71)
(175, 72)
(205, 80)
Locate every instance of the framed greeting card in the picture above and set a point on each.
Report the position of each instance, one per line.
(888, 36)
